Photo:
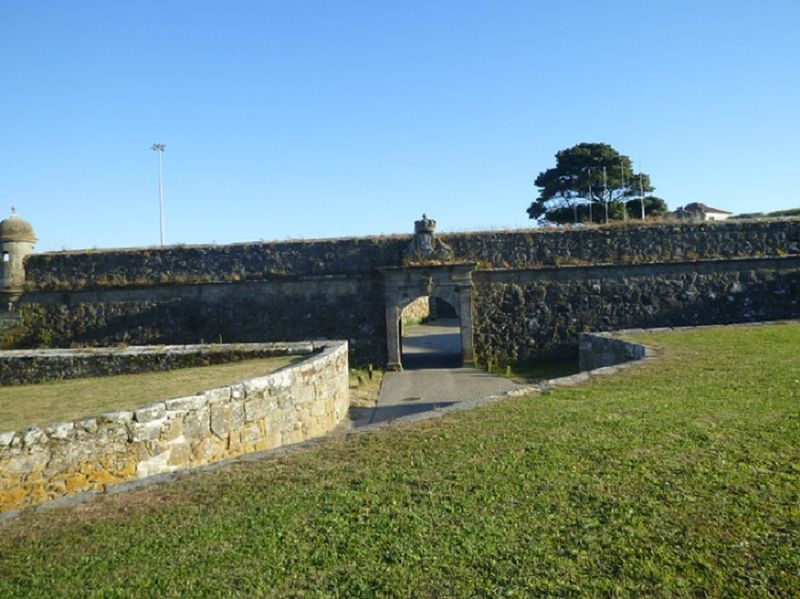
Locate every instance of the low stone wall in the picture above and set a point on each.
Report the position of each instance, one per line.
(288, 406)
(20, 367)
(598, 350)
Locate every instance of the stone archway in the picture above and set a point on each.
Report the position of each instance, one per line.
(451, 283)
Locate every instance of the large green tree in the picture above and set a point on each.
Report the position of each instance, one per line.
(592, 182)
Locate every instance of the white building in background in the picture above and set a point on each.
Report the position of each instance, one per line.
(701, 212)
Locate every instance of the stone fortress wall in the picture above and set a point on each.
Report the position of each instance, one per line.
(333, 307)
(301, 401)
(529, 313)
(534, 290)
(290, 260)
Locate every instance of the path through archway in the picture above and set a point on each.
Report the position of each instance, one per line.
(451, 284)
(435, 342)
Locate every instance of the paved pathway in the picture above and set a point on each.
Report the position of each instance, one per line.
(429, 379)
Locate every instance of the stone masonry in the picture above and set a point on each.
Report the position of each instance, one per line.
(522, 315)
(288, 406)
(521, 294)
(26, 366)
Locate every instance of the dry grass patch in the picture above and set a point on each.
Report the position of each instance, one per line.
(365, 387)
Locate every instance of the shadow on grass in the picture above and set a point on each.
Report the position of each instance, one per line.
(537, 370)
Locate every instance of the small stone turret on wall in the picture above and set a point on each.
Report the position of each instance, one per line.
(425, 246)
(16, 243)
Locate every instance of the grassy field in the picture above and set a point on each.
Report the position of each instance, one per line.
(61, 401)
(677, 478)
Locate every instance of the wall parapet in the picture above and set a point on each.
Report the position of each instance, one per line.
(293, 404)
(27, 366)
(577, 272)
(528, 248)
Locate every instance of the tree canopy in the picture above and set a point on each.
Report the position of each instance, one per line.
(590, 181)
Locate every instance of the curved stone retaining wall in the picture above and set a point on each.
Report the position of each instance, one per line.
(416, 311)
(27, 366)
(288, 406)
(598, 350)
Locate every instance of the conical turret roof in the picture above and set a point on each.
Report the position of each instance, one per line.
(16, 229)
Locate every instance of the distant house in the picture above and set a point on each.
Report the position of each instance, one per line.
(699, 211)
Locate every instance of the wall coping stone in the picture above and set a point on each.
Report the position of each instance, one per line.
(602, 227)
(292, 348)
(21, 366)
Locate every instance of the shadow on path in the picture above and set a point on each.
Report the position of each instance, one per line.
(433, 345)
(383, 413)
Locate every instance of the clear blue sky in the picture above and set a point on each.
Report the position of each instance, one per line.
(304, 119)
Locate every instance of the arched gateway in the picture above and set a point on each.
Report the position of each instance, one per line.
(425, 275)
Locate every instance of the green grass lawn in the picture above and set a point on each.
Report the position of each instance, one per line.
(62, 401)
(679, 477)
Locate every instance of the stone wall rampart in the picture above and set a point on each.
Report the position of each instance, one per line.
(181, 265)
(299, 402)
(523, 315)
(633, 243)
(324, 307)
(625, 244)
(576, 272)
(535, 290)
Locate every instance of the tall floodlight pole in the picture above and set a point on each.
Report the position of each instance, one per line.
(605, 191)
(591, 197)
(159, 149)
(641, 193)
(624, 204)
